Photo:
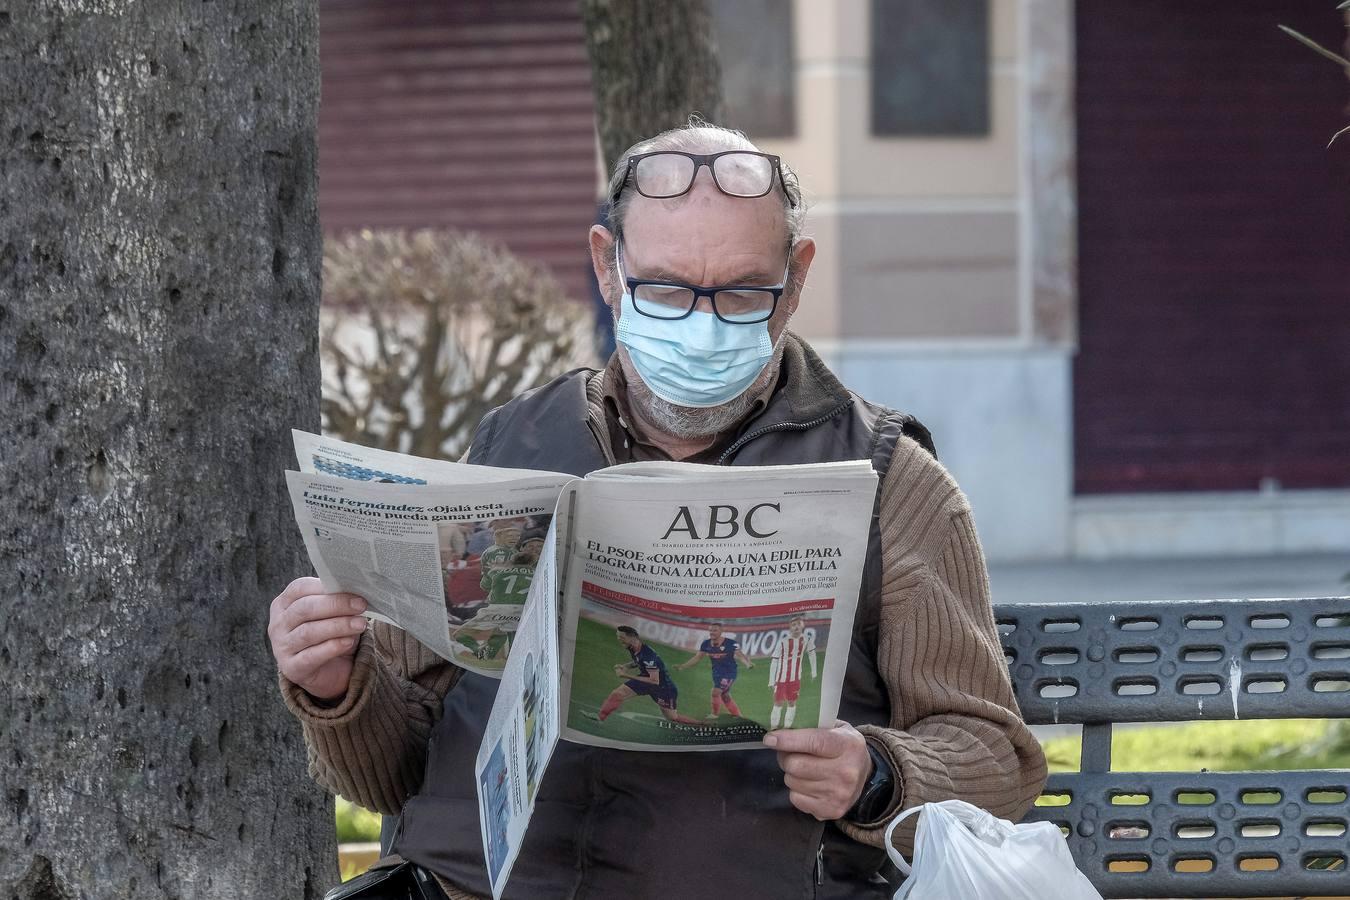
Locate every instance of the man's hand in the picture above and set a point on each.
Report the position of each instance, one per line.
(314, 636)
(825, 769)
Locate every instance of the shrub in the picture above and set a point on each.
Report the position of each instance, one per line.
(425, 331)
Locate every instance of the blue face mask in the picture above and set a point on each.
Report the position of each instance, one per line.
(696, 361)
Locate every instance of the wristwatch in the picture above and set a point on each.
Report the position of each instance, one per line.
(876, 793)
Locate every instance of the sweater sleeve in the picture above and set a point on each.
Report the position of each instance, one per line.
(956, 731)
(371, 747)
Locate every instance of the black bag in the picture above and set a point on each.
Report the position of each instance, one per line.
(397, 880)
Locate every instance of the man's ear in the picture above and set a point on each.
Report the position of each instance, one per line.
(602, 252)
(800, 263)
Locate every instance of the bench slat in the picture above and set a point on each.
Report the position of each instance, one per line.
(1287, 828)
(1178, 661)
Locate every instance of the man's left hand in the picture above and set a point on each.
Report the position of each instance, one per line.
(825, 769)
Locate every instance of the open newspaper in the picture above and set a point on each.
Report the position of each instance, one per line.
(656, 606)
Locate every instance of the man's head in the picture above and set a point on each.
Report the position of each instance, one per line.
(529, 551)
(506, 534)
(628, 636)
(797, 626)
(702, 238)
(715, 630)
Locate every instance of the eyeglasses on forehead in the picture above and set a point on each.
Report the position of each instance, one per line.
(662, 174)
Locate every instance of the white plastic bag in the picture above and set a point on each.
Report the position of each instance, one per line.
(962, 852)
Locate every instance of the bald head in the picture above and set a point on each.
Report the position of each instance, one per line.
(701, 137)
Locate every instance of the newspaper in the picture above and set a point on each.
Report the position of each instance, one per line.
(522, 729)
(736, 576)
(651, 606)
(445, 551)
(695, 608)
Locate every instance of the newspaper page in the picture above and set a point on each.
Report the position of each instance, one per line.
(451, 564)
(704, 605)
(522, 729)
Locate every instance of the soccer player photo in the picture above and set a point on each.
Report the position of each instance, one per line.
(645, 676)
(724, 652)
(664, 674)
(785, 672)
(488, 568)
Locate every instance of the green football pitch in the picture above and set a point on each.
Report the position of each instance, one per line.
(639, 719)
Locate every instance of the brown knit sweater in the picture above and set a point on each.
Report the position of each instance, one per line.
(955, 728)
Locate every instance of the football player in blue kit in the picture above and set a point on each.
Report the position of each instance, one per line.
(724, 652)
(645, 676)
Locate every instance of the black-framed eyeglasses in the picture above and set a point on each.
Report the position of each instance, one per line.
(672, 300)
(662, 174)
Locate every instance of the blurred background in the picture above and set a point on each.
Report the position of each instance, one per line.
(1102, 250)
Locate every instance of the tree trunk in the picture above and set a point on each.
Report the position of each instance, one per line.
(159, 290)
(653, 64)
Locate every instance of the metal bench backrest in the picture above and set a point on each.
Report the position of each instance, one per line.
(1189, 834)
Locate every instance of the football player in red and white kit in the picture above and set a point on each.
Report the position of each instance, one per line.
(785, 671)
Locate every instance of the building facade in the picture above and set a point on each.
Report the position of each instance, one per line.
(1102, 250)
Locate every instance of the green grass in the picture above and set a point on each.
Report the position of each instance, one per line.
(1218, 746)
(356, 825)
(640, 720)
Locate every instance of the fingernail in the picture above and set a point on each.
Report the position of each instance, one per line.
(771, 740)
(358, 624)
(358, 605)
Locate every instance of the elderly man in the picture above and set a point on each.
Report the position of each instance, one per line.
(703, 264)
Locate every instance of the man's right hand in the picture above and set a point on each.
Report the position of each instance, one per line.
(314, 636)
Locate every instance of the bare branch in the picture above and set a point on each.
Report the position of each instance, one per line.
(426, 331)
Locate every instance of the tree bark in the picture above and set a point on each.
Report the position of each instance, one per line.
(159, 290)
(653, 65)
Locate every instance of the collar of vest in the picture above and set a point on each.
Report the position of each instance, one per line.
(807, 389)
(807, 394)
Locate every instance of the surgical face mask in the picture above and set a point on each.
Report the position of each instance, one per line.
(697, 361)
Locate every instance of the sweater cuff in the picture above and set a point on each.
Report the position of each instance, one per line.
(874, 741)
(369, 678)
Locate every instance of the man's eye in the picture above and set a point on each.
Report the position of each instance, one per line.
(670, 296)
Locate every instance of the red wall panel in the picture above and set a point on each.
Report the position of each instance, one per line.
(471, 114)
(1214, 229)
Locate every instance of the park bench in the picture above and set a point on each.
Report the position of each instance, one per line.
(1186, 834)
(1189, 834)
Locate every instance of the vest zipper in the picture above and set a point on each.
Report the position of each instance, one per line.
(820, 863)
(781, 426)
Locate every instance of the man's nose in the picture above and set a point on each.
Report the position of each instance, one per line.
(704, 304)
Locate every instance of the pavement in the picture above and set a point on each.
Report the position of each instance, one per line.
(1225, 578)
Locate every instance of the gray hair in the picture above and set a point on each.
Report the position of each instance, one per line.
(703, 137)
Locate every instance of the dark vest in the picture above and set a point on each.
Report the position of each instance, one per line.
(625, 824)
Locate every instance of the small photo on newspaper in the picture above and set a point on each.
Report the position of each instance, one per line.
(654, 672)
(486, 567)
